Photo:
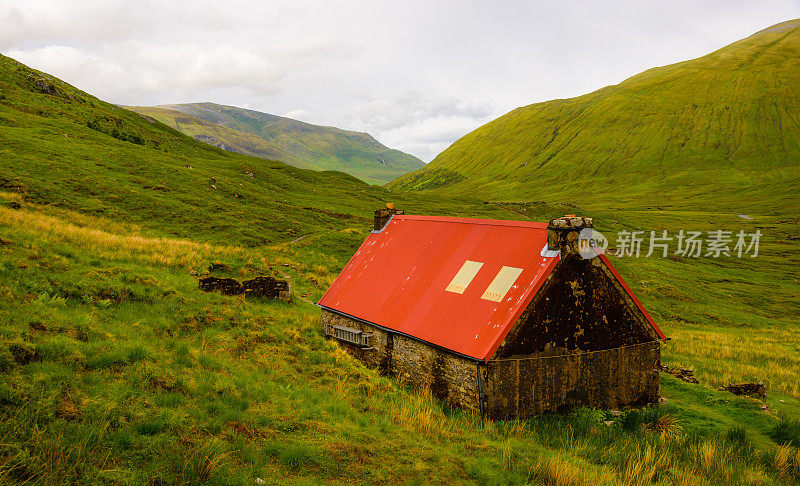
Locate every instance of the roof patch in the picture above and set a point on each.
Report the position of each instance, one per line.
(501, 284)
(464, 276)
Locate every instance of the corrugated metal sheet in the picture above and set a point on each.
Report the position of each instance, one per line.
(398, 279)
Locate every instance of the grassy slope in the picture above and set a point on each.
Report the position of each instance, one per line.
(116, 369)
(219, 135)
(321, 147)
(721, 131)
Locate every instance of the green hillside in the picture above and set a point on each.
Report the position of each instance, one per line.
(65, 147)
(116, 369)
(290, 141)
(219, 135)
(721, 131)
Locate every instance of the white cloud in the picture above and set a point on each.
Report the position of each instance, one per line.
(417, 75)
(297, 114)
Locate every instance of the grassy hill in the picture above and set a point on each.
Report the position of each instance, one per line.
(116, 369)
(220, 136)
(289, 141)
(721, 131)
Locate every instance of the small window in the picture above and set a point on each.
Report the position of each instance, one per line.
(501, 284)
(464, 276)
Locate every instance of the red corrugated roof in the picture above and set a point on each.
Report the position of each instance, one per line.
(397, 279)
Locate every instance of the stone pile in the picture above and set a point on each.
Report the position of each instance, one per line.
(748, 389)
(262, 287)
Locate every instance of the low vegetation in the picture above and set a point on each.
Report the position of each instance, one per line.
(116, 369)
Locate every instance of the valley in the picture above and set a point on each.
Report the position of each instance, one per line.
(117, 369)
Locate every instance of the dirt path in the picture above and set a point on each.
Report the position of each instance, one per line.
(289, 278)
(300, 238)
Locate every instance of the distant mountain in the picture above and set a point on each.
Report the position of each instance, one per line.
(721, 131)
(290, 141)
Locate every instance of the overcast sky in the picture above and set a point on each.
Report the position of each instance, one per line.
(417, 75)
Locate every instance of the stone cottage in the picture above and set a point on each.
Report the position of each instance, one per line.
(509, 318)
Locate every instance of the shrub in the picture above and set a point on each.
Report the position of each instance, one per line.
(658, 421)
(737, 435)
(297, 455)
(631, 421)
(787, 432)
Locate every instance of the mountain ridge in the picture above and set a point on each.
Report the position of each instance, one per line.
(291, 141)
(687, 135)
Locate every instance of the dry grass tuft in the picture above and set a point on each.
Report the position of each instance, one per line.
(645, 465)
(555, 471)
(108, 245)
(666, 425)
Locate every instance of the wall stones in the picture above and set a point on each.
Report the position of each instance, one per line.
(449, 377)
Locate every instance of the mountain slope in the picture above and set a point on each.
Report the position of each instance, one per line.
(61, 146)
(219, 135)
(290, 141)
(720, 131)
(116, 369)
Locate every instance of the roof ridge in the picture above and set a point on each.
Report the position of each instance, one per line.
(490, 222)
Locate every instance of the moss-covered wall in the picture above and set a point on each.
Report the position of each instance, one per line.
(581, 307)
(450, 377)
(611, 378)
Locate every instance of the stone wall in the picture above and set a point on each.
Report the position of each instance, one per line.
(580, 307)
(612, 378)
(450, 377)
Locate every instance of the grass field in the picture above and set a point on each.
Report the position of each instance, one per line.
(116, 369)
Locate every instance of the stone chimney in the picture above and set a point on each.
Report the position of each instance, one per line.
(563, 233)
(383, 215)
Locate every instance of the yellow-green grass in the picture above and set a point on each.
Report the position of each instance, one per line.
(137, 376)
(719, 132)
(117, 369)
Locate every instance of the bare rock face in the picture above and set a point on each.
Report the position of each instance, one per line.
(44, 85)
(225, 286)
